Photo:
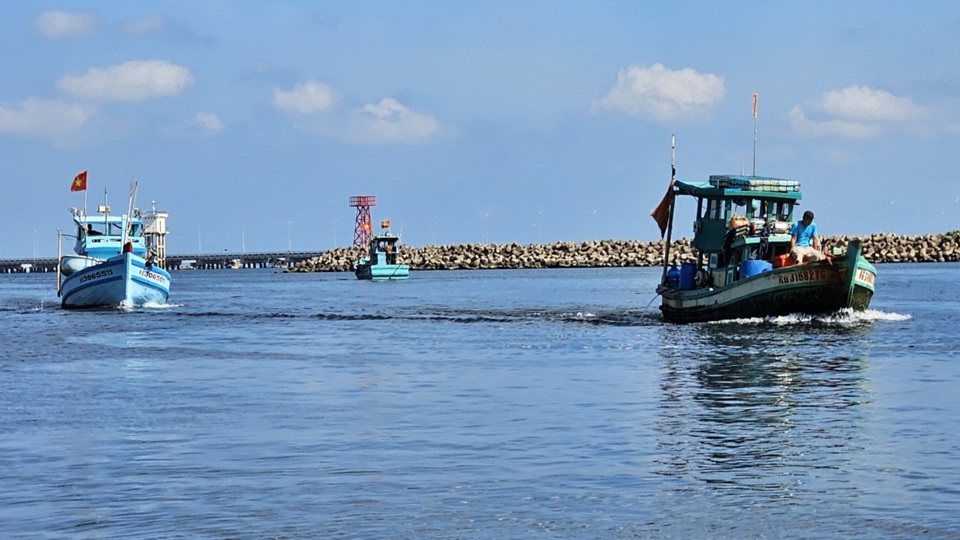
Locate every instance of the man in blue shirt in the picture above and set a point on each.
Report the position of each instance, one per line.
(805, 240)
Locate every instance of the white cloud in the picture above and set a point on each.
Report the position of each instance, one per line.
(385, 122)
(60, 24)
(208, 121)
(305, 98)
(41, 118)
(854, 112)
(832, 127)
(389, 122)
(661, 94)
(131, 81)
(146, 25)
(868, 104)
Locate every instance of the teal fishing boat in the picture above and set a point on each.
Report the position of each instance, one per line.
(381, 262)
(112, 265)
(742, 267)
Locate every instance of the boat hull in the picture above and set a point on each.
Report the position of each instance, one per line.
(812, 288)
(124, 280)
(382, 272)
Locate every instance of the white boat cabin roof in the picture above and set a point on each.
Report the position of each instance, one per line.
(80, 218)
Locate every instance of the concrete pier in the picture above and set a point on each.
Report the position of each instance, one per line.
(878, 248)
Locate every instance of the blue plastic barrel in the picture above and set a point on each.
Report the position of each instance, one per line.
(753, 267)
(673, 277)
(688, 276)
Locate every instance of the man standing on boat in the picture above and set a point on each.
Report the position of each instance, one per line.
(805, 240)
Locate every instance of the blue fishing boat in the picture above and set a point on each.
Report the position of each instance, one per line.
(381, 262)
(742, 266)
(112, 265)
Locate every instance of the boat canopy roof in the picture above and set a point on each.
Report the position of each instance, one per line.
(82, 218)
(741, 187)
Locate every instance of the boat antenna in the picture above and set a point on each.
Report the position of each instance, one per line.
(106, 208)
(673, 157)
(755, 98)
(134, 185)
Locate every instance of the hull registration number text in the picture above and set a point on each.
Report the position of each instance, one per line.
(865, 277)
(803, 275)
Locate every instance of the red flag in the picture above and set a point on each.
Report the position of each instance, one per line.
(79, 182)
(661, 214)
(385, 224)
(755, 104)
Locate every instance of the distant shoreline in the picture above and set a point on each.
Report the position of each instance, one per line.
(878, 248)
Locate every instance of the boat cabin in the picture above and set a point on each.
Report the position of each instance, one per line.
(101, 236)
(384, 249)
(742, 225)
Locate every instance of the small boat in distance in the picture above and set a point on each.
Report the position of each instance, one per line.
(743, 268)
(112, 265)
(380, 263)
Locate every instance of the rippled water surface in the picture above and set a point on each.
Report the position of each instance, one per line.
(476, 404)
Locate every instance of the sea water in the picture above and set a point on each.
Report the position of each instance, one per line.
(476, 404)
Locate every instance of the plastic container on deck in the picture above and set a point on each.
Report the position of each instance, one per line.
(688, 276)
(753, 267)
(673, 277)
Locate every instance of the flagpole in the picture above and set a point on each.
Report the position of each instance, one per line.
(755, 133)
(59, 258)
(668, 239)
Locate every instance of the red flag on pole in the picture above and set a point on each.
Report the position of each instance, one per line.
(755, 104)
(661, 214)
(79, 182)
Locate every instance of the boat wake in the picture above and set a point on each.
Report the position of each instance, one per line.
(842, 318)
(147, 306)
(155, 305)
(573, 316)
(466, 316)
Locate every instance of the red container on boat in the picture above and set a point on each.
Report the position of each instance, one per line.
(782, 260)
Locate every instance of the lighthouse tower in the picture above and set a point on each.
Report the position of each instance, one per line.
(362, 231)
(155, 233)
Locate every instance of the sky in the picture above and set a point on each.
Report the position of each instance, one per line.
(253, 123)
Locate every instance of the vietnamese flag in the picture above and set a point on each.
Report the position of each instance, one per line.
(80, 182)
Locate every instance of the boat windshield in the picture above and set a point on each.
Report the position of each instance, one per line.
(111, 228)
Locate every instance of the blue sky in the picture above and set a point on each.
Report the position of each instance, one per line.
(252, 123)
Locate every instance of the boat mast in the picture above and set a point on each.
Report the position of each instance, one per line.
(60, 257)
(673, 198)
(126, 218)
(755, 97)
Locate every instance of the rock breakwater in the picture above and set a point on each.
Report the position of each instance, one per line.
(878, 248)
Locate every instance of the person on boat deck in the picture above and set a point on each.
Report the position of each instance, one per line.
(805, 240)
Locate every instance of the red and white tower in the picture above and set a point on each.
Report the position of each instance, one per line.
(363, 229)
